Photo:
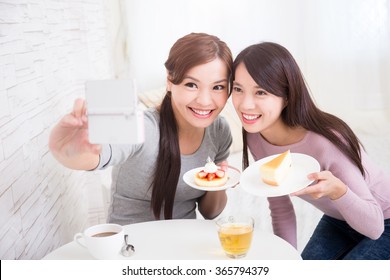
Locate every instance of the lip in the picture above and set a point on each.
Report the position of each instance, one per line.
(250, 118)
(201, 113)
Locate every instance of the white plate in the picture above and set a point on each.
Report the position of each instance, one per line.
(296, 180)
(232, 173)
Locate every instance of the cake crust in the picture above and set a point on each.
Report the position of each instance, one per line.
(215, 182)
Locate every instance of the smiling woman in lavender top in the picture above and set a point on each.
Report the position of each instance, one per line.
(277, 114)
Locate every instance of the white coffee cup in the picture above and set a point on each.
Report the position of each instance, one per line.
(103, 241)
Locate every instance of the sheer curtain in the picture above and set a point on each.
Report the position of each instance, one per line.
(342, 46)
(347, 54)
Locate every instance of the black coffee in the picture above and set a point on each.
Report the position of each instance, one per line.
(104, 234)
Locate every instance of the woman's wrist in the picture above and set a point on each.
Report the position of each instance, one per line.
(340, 190)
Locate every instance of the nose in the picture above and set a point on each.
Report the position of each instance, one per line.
(204, 97)
(247, 102)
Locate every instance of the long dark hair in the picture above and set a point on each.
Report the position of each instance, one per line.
(273, 68)
(189, 51)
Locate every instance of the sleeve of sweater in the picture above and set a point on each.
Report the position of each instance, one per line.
(283, 218)
(115, 154)
(223, 137)
(357, 206)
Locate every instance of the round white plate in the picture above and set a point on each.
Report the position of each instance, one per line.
(296, 180)
(232, 173)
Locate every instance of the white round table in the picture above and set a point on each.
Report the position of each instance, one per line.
(184, 240)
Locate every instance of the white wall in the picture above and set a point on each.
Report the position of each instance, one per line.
(342, 46)
(47, 50)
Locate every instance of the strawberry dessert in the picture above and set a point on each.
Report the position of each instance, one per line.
(211, 175)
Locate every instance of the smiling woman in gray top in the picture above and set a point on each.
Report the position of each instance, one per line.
(180, 134)
(131, 195)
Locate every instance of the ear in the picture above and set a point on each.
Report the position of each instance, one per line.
(169, 83)
(285, 102)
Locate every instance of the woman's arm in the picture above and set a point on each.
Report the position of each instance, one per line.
(211, 204)
(284, 222)
(68, 140)
(348, 191)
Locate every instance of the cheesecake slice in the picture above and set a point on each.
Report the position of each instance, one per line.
(276, 170)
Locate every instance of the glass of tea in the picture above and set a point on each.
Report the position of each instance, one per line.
(235, 234)
(103, 241)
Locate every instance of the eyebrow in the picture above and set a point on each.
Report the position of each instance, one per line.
(238, 84)
(216, 82)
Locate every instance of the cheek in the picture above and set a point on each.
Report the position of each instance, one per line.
(274, 110)
(177, 102)
(180, 97)
(236, 101)
(221, 99)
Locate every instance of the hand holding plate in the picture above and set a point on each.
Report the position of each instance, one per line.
(326, 185)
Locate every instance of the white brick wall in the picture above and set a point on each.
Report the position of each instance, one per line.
(48, 48)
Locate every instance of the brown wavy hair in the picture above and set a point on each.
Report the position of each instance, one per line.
(189, 51)
(273, 68)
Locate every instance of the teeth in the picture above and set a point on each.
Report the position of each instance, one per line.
(250, 117)
(201, 112)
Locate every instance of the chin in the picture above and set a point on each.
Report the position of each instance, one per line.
(199, 123)
(251, 128)
(203, 124)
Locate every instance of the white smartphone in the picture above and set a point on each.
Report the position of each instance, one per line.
(112, 112)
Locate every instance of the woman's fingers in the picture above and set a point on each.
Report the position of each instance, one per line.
(70, 120)
(322, 175)
(224, 165)
(314, 191)
(79, 108)
(302, 192)
(326, 185)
